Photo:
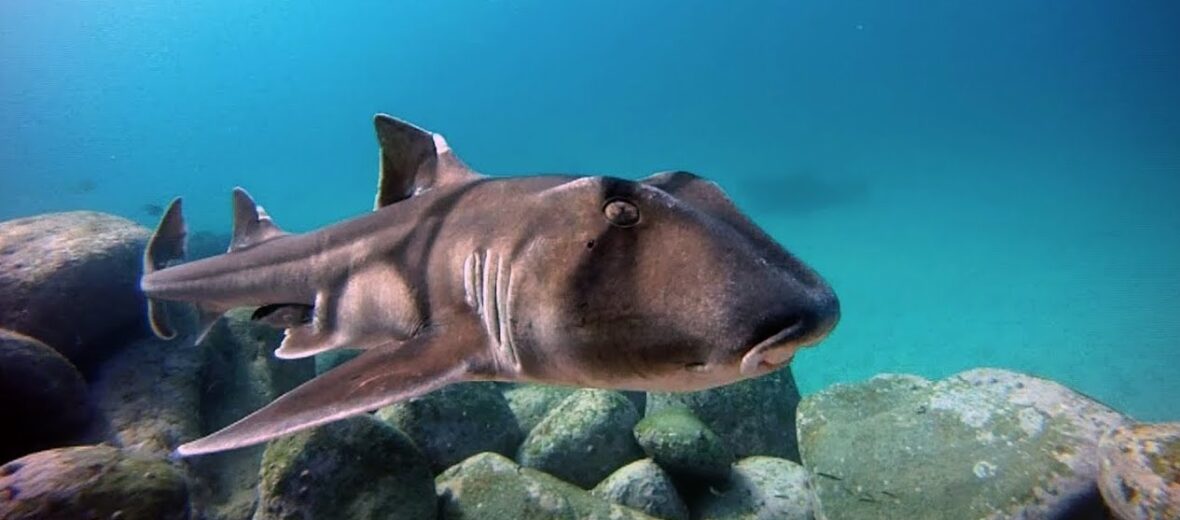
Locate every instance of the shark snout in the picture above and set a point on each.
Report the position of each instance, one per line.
(804, 321)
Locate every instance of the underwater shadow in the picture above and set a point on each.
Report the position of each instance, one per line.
(797, 194)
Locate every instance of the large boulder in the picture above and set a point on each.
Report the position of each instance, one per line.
(758, 488)
(982, 442)
(755, 416)
(531, 402)
(1139, 471)
(91, 482)
(240, 375)
(43, 400)
(72, 281)
(359, 467)
(493, 487)
(456, 422)
(148, 394)
(682, 445)
(642, 485)
(584, 439)
(334, 358)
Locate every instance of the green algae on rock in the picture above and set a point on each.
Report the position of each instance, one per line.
(326, 361)
(148, 394)
(758, 488)
(359, 467)
(982, 442)
(239, 375)
(45, 398)
(642, 485)
(456, 422)
(489, 486)
(71, 280)
(530, 402)
(91, 482)
(1139, 472)
(584, 439)
(755, 416)
(683, 445)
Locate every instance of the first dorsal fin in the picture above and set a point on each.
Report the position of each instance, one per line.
(251, 223)
(413, 160)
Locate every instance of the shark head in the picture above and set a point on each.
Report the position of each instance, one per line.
(663, 282)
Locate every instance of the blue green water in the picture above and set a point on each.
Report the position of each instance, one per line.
(984, 184)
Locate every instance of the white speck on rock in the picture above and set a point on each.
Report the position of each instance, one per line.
(984, 469)
(1031, 421)
(972, 407)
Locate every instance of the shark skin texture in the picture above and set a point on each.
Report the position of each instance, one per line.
(658, 284)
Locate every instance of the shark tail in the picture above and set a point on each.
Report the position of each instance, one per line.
(166, 248)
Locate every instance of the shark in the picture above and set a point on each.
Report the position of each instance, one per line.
(655, 284)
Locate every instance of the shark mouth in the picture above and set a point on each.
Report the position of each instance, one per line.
(775, 351)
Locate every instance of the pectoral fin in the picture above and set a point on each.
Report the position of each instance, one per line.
(377, 378)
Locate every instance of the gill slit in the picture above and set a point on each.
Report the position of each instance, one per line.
(488, 290)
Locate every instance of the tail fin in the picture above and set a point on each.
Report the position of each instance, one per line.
(165, 248)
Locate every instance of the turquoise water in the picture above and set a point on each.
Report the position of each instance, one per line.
(993, 184)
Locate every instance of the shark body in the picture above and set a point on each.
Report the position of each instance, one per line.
(659, 284)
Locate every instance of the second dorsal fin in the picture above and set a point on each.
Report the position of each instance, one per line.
(413, 160)
(251, 223)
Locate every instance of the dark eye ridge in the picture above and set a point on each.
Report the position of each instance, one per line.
(621, 213)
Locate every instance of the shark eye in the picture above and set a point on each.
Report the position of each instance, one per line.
(621, 213)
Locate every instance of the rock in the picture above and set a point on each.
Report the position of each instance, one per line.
(204, 244)
(334, 358)
(43, 401)
(583, 439)
(643, 486)
(530, 402)
(755, 416)
(761, 487)
(148, 394)
(682, 445)
(71, 280)
(91, 482)
(456, 422)
(1139, 471)
(240, 375)
(355, 468)
(982, 442)
(493, 487)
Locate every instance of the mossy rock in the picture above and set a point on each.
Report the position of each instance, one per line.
(1139, 475)
(983, 442)
(91, 482)
(359, 467)
(754, 417)
(642, 485)
(334, 358)
(758, 488)
(45, 398)
(71, 280)
(149, 394)
(240, 375)
(489, 486)
(531, 402)
(584, 439)
(683, 445)
(456, 422)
